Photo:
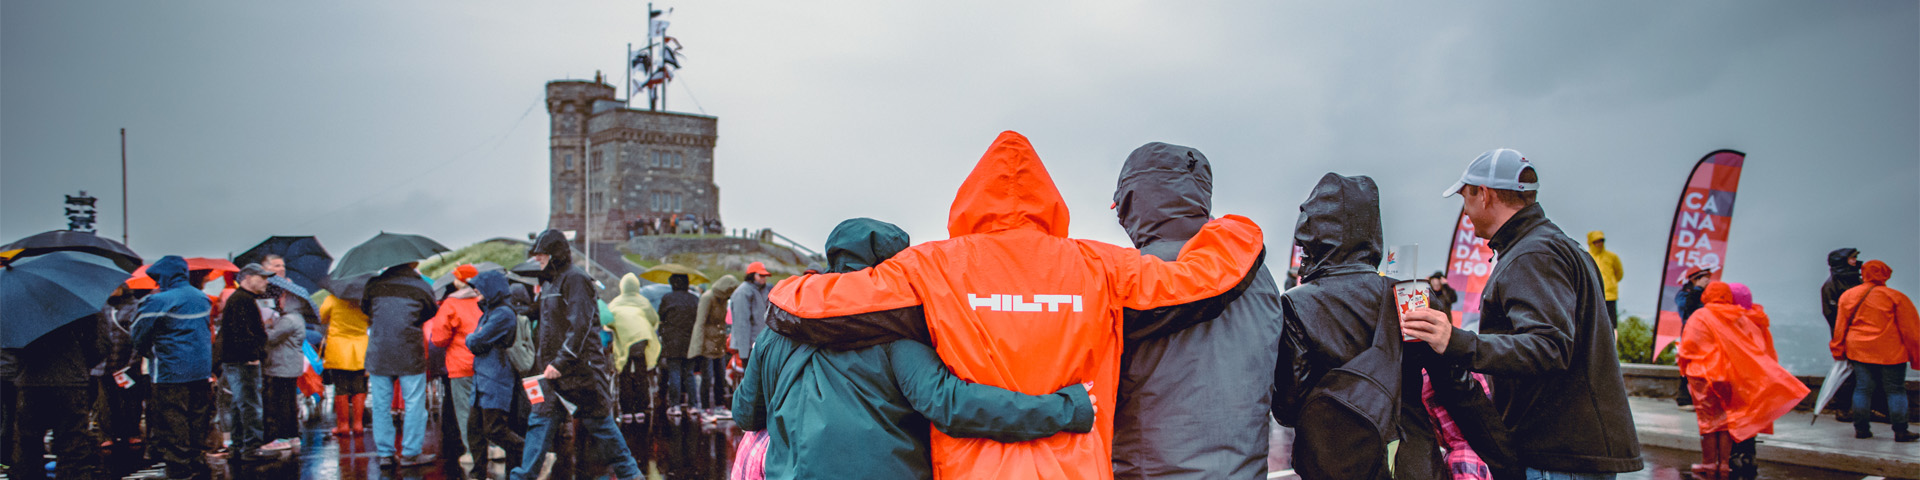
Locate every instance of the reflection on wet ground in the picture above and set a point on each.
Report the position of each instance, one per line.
(678, 447)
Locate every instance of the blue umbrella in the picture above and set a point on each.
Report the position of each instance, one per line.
(48, 291)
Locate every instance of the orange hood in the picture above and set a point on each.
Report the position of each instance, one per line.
(1876, 272)
(1009, 189)
(1717, 293)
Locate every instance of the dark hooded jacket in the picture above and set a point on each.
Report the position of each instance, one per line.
(397, 303)
(569, 337)
(494, 381)
(172, 328)
(1841, 276)
(865, 413)
(1548, 349)
(678, 310)
(1340, 308)
(1186, 409)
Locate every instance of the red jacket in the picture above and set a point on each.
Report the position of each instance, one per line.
(458, 317)
(1010, 301)
(1738, 385)
(1884, 330)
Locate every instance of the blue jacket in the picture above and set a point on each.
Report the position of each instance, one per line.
(171, 327)
(494, 380)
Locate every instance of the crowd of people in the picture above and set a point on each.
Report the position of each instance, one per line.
(1005, 351)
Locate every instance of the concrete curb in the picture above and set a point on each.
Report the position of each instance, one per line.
(1788, 452)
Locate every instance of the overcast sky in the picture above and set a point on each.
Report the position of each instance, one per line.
(342, 119)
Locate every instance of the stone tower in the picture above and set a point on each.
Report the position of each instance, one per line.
(619, 166)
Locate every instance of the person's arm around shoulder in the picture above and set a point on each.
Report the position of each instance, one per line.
(1211, 263)
(850, 310)
(970, 410)
(1538, 301)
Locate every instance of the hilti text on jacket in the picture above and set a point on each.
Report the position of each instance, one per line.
(1015, 303)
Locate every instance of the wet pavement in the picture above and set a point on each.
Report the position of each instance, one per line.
(680, 447)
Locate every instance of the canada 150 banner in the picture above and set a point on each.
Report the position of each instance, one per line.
(1469, 263)
(1699, 238)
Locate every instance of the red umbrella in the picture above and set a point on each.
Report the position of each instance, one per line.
(141, 281)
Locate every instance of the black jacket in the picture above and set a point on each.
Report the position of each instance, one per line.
(243, 334)
(62, 357)
(397, 302)
(569, 336)
(1163, 197)
(1840, 277)
(1548, 349)
(678, 310)
(1335, 314)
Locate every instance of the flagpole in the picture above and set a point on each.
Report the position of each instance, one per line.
(650, 20)
(123, 187)
(629, 69)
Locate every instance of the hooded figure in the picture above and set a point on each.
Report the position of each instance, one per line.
(1610, 270)
(710, 326)
(678, 309)
(1163, 198)
(1342, 309)
(1843, 273)
(172, 329)
(495, 384)
(865, 413)
(633, 320)
(1010, 301)
(1879, 333)
(569, 345)
(1738, 386)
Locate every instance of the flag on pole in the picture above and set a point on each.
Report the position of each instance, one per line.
(657, 23)
(658, 77)
(1699, 235)
(670, 56)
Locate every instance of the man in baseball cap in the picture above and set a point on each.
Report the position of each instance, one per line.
(1544, 339)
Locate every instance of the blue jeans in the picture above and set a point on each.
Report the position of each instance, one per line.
(1892, 382)
(248, 427)
(380, 397)
(1533, 474)
(682, 387)
(600, 440)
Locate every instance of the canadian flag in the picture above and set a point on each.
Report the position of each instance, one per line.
(534, 394)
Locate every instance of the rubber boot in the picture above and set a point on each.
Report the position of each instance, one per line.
(359, 413)
(342, 413)
(1741, 463)
(1714, 448)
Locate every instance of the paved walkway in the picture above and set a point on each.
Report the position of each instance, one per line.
(1797, 440)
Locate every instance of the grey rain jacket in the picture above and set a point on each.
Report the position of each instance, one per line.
(1333, 316)
(1547, 348)
(397, 303)
(1191, 403)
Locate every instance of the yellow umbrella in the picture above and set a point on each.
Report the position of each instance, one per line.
(661, 273)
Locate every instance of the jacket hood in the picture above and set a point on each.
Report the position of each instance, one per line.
(723, 287)
(1741, 295)
(1165, 193)
(1008, 190)
(554, 244)
(1595, 235)
(1876, 272)
(1717, 293)
(679, 282)
(169, 273)
(629, 284)
(860, 243)
(1339, 227)
(1837, 262)
(493, 288)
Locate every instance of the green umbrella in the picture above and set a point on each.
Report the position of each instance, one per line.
(47, 291)
(383, 251)
(664, 271)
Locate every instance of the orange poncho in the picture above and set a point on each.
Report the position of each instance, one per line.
(1737, 386)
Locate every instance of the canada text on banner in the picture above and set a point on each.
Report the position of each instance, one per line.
(1699, 239)
(1469, 263)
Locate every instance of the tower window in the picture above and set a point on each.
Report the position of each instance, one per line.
(569, 162)
(596, 160)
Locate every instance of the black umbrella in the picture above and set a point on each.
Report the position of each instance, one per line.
(45, 292)
(307, 262)
(71, 241)
(350, 288)
(383, 251)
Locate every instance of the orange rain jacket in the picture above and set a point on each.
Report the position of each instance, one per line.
(1010, 301)
(1885, 330)
(1732, 369)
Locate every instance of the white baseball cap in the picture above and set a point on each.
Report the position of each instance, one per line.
(1497, 169)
